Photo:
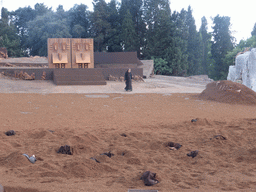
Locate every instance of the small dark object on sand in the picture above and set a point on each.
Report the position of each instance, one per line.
(194, 120)
(123, 153)
(95, 159)
(65, 150)
(193, 153)
(124, 135)
(219, 137)
(149, 178)
(51, 131)
(10, 133)
(173, 145)
(109, 154)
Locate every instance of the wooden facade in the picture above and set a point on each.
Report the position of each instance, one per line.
(70, 53)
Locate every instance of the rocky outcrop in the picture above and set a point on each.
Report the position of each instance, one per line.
(244, 70)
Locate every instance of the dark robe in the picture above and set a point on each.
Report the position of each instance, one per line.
(128, 81)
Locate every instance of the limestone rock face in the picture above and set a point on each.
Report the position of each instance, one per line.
(232, 73)
(244, 70)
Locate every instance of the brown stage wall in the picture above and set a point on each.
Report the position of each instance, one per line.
(116, 72)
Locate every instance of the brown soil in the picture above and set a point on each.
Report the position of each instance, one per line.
(229, 92)
(135, 128)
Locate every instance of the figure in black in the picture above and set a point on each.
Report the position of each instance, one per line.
(128, 80)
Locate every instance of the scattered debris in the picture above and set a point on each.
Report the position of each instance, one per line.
(95, 159)
(124, 135)
(173, 146)
(121, 79)
(109, 154)
(219, 137)
(193, 153)
(65, 150)
(32, 159)
(149, 178)
(43, 76)
(138, 78)
(10, 133)
(29, 77)
(23, 75)
(9, 65)
(112, 78)
(194, 120)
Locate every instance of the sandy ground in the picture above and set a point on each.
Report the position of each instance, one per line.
(93, 123)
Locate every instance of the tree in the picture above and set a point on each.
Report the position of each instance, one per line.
(8, 37)
(221, 44)
(157, 17)
(164, 38)
(254, 30)
(100, 26)
(41, 9)
(206, 39)
(194, 45)
(42, 28)
(179, 43)
(135, 7)
(79, 21)
(20, 18)
(128, 35)
(113, 41)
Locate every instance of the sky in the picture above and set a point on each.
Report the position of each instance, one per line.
(241, 13)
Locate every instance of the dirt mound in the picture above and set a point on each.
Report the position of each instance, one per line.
(229, 92)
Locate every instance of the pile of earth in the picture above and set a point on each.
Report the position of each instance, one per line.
(229, 92)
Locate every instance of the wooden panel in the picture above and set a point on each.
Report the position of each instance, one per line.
(78, 77)
(82, 53)
(59, 52)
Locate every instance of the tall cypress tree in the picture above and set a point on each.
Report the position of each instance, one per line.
(100, 26)
(114, 40)
(194, 45)
(136, 10)
(206, 39)
(179, 43)
(221, 44)
(128, 35)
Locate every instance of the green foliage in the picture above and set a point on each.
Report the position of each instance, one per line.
(8, 36)
(78, 21)
(161, 66)
(221, 45)
(135, 7)
(194, 49)
(101, 27)
(206, 42)
(128, 35)
(42, 28)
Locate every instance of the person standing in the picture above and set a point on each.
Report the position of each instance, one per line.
(128, 80)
